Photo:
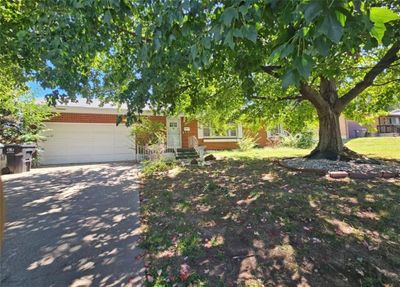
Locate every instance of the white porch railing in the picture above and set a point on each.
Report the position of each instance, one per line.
(194, 143)
(149, 152)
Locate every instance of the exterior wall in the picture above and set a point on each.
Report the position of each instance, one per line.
(343, 127)
(211, 144)
(193, 131)
(84, 118)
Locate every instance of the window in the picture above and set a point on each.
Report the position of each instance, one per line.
(173, 125)
(209, 132)
(206, 131)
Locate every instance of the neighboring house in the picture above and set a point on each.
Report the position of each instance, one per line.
(84, 133)
(350, 129)
(390, 124)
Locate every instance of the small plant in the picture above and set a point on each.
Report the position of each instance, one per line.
(247, 142)
(189, 245)
(299, 140)
(151, 167)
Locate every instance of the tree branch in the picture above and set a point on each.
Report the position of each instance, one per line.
(385, 83)
(389, 58)
(312, 95)
(294, 98)
(271, 70)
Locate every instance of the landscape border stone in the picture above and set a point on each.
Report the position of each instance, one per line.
(334, 173)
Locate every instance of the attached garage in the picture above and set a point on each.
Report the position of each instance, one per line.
(85, 143)
(86, 133)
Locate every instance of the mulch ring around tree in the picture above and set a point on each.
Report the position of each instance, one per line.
(342, 169)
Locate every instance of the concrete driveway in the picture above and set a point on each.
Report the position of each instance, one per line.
(72, 226)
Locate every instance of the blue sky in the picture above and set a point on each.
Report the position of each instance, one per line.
(37, 91)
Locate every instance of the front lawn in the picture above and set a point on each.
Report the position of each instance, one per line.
(380, 147)
(253, 223)
(260, 153)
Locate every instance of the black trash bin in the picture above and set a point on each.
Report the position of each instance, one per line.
(19, 157)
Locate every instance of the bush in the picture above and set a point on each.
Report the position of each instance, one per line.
(151, 167)
(247, 142)
(299, 140)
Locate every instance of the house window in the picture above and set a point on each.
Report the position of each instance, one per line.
(206, 131)
(209, 132)
(173, 125)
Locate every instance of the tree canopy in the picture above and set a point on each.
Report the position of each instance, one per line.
(220, 60)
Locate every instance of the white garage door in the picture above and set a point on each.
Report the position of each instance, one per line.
(85, 143)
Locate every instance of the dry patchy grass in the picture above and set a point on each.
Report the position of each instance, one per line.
(252, 223)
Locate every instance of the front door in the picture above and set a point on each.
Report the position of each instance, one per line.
(173, 133)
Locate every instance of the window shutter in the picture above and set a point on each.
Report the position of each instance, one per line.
(200, 131)
(240, 131)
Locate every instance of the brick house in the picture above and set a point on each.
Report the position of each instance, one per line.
(83, 133)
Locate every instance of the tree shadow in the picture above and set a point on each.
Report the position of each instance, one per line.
(260, 225)
(72, 226)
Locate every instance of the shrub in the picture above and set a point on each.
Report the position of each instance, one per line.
(151, 167)
(247, 142)
(148, 132)
(299, 140)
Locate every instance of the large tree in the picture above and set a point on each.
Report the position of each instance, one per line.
(324, 52)
(211, 57)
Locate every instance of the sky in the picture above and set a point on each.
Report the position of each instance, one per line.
(37, 91)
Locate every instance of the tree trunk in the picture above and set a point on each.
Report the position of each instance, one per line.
(330, 145)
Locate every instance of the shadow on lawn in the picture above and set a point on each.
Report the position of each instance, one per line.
(71, 227)
(256, 224)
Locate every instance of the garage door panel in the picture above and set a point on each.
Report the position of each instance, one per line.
(80, 143)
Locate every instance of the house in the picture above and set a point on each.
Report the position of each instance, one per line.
(350, 129)
(83, 133)
(390, 124)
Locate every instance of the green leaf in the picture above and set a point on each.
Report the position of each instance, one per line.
(303, 65)
(322, 45)
(311, 11)
(250, 33)
(378, 31)
(379, 16)
(228, 15)
(331, 28)
(229, 40)
(288, 79)
(382, 15)
(193, 52)
(287, 50)
(206, 41)
(341, 18)
(107, 17)
(237, 33)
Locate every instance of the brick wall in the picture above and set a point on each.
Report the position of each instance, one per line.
(84, 118)
(192, 125)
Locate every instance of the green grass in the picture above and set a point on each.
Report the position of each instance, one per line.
(382, 147)
(259, 153)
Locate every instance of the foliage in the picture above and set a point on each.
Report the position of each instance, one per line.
(22, 119)
(148, 132)
(210, 59)
(247, 142)
(152, 167)
(302, 140)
